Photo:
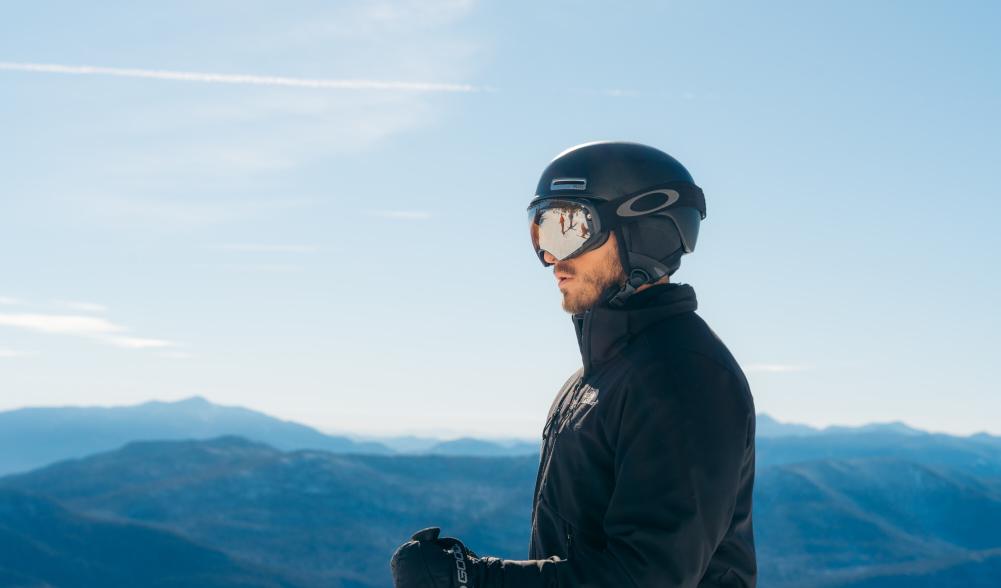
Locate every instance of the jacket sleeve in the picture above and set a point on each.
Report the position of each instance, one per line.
(680, 443)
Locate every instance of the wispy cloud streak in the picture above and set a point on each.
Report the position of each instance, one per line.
(83, 306)
(60, 323)
(138, 342)
(245, 79)
(81, 326)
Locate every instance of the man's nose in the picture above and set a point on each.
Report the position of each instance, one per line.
(549, 257)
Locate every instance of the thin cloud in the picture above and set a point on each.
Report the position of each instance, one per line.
(777, 367)
(163, 212)
(7, 300)
(401, 214)
(60, 323)
(244, 79)
(266, 248)
(10, 353)
(81, 326)
(263, 80)
(82, 306)
(138, 342)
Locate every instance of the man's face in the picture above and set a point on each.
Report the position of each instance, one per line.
(583, 278)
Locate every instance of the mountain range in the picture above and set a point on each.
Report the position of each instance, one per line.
(878, 506)
(316, 518)
(44, 544)
(320, 518)
(36, 436)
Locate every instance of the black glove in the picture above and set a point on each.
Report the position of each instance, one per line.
(429, 562)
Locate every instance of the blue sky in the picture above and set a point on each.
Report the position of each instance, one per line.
(346, 246)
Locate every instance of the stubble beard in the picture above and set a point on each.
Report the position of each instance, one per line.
(589, 286)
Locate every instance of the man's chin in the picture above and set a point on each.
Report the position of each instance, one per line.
(575, 302)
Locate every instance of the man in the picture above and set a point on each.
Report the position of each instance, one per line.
(647, 465)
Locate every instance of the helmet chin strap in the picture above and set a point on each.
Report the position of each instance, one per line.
(620, 293)
(617, 294)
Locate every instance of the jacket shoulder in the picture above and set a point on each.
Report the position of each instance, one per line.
(687, 340)
(684, 356)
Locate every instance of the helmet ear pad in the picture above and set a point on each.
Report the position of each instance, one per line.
(662, 238)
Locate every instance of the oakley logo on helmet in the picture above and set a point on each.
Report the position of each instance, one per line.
(647, 202)
(568, 184)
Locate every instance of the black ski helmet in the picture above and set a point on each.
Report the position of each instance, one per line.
(658, 207)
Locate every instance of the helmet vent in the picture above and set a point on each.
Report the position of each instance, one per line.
(568, 184)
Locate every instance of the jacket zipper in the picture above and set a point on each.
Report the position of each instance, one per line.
(556, 421)
(553, 427)
(554, 424)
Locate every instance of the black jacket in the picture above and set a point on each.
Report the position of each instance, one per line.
(647, 462)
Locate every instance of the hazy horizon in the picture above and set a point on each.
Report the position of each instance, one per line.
(440, 433)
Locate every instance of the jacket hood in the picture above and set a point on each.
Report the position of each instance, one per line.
(602, 331)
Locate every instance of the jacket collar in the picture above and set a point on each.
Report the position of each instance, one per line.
(602, 331)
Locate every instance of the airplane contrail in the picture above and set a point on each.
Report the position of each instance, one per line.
(217, 78)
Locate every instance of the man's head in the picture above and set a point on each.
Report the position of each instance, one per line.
(637, 197)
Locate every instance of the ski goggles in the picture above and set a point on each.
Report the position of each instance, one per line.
(566, 227)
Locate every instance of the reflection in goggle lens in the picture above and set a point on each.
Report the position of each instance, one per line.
(561, 228)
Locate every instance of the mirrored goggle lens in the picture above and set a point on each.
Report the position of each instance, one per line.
(560, 227)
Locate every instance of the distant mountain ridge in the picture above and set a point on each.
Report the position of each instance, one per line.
(33, 437)
(480, 447)
(977, 454)
(36, 436)
(768, 426)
